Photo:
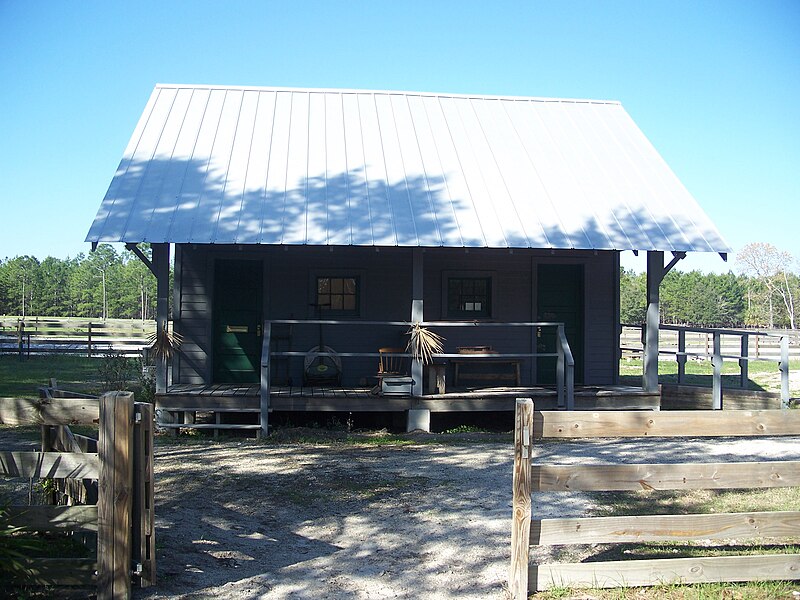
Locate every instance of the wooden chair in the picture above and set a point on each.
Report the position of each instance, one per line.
(393, 364)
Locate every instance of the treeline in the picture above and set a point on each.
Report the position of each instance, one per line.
(102, 284)
(110, 284)
(762, 295)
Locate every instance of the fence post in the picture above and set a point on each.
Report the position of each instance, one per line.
(521, 520)
(144, 539)
(115, 451)
(744, 362)
(716, 363)
(784, 369)
(89, 336)
(560, 381)
(681, 356)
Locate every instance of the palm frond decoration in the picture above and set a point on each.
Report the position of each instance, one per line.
(165, 345)
(423, 343)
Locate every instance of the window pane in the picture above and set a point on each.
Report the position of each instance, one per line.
(323, 285)
(336, 302)
(336, 285)
(349, 303)
(324, 301)
(350, 285)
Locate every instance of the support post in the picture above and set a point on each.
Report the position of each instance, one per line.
(521, 508)
(681, 357)
(560, 375)
(265, 391)
(744, 362)
(655, 274)
(784, 369)
(115, 451)
(716, 363)
(161, 270)
(89, 340)
(417, 314)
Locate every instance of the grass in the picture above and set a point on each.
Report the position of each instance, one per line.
(763, 375)
(21, 378)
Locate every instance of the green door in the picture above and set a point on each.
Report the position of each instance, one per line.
(237, 321)
(560, 298)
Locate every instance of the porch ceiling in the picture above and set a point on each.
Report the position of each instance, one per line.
(230, 165)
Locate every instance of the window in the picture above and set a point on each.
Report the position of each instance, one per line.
(338, 295)
(469, 297)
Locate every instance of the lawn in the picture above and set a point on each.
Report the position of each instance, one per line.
(763, 375)
(21, 378)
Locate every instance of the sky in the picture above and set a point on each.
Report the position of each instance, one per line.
(713, 85)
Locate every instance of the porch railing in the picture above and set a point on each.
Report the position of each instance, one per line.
(565, 363)
(714, 352)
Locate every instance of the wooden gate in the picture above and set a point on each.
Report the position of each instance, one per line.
(119, 466)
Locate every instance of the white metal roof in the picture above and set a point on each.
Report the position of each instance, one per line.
(234, 165)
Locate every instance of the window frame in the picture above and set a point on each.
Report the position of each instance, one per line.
(488, 276)
(319, 312)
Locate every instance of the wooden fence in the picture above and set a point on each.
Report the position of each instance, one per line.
(53, 335)
(115, 471)
(526, 531)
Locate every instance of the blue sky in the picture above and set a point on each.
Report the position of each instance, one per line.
(714, 86)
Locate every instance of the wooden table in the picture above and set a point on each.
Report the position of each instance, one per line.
(509, 369)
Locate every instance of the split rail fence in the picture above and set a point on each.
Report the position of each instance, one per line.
(74, 336)
(106, 484)
(777, 526)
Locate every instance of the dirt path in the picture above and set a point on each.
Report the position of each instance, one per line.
(243, 520)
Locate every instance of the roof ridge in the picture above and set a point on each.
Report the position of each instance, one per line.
(387, 92)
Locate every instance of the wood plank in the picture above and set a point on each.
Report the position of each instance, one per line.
(56, 411)
(49, 465)
(143, 495)
(208, 426)
(773, 567)
(683, 476)
(577, 424)
(55, 518)
(115, 494)
(653, 528)
(521, 506)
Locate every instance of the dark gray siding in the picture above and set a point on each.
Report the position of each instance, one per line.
(289, 275)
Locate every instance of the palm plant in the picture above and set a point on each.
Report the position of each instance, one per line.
(423, 343)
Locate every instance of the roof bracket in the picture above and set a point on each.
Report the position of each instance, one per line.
(137, 251)
(94, 246)
(676, 257)
(724, 256)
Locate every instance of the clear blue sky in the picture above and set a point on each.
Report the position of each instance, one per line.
(714, 85)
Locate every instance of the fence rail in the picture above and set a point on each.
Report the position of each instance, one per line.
(719, 345)
(38, 335)
(106, 484)
(533, 425)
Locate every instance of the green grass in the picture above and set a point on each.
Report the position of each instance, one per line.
(22, 378)
(763, 375)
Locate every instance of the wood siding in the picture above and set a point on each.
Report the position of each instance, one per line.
(386, 277)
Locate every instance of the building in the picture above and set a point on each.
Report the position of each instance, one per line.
(371, 210)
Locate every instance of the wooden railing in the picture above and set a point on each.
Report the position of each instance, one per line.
(565, 363)
(718, 345)
(115, 471)
(532, 426)
(74, 336)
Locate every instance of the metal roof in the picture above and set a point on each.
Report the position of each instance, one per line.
(235, 165)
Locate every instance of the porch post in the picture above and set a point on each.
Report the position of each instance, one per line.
(417, 418)
(417, 314)
(161, 271)
(655, 273)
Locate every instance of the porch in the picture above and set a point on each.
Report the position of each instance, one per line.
(213, 406)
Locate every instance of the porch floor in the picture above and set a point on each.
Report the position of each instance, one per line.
(246, 398)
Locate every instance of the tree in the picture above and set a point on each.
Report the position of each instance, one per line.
(19, 277)
(772, 269)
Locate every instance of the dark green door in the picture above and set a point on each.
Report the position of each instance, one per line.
(560, 298)
(237, 321)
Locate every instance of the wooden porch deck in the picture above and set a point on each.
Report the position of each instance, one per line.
(246, 398)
